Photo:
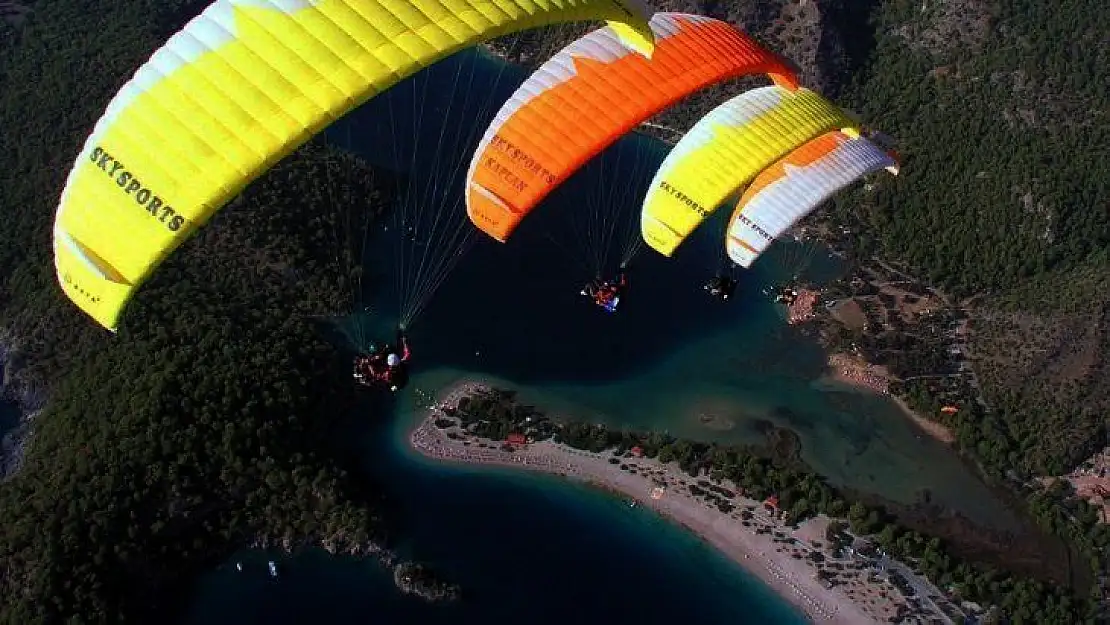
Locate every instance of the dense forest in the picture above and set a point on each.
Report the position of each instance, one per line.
(1028, 195)
(202, 425)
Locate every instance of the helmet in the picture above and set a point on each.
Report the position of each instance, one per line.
(393, 360)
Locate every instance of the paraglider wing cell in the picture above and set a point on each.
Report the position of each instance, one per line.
(239, 87)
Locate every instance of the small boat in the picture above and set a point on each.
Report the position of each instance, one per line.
(239, 566)
(273, 569)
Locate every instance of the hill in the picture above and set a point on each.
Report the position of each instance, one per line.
(203, 425)
(1001, 115)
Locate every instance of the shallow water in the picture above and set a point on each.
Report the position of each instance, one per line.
(854, 439)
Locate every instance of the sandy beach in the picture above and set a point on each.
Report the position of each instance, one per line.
(776, 553)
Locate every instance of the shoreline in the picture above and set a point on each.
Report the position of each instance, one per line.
(779, 561)
(851, 371)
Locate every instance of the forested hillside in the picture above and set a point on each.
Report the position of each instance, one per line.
(1002, 112)
(1003, 132)
(199, 427)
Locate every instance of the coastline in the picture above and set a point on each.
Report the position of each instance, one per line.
(852, 371)
(932, 428)
(762, 545)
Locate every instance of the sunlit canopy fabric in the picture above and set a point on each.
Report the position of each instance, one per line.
(240, 87)
(724, 151)
(797, 184)
(590, 94)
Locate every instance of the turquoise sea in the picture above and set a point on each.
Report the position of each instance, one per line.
(530, 548)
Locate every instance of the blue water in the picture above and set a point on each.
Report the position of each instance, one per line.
(526, 548)
(530, 548)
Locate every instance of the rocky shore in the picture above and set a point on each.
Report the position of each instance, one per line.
(411, 578)
(415, 579)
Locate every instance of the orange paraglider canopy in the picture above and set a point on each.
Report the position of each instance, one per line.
(590, 94)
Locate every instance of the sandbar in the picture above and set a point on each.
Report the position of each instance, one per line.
(780, 561)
